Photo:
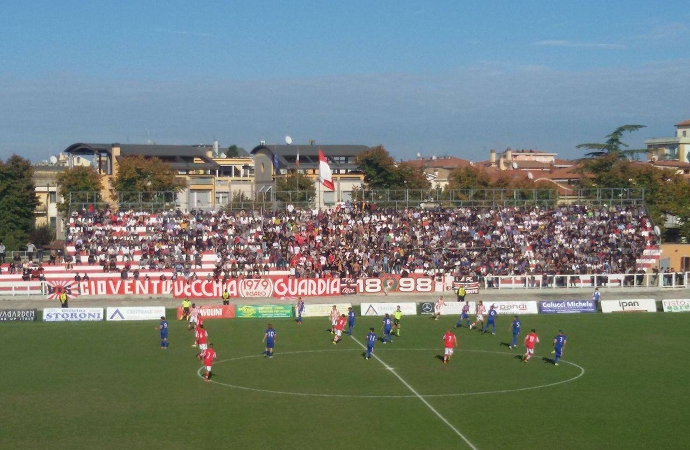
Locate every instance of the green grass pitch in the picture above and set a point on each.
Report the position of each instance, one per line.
(110, 386)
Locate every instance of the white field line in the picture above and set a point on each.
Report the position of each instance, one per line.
(428, 405)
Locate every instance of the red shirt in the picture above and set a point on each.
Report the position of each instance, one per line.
(199, 320)
(340, 324)
(208, 356)
(201, 336)
(530, 340)
(449, 340)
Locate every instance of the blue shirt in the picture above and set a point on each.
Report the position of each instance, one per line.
(371, 339)
(560, 341)
(164, 328)
(387, 324)
(516, 326)
(300, 307)
(270, 336)
(492, 315)
(351, 317)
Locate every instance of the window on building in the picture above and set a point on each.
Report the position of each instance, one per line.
(52, 197)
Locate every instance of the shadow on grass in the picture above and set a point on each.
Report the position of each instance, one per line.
(548, 360)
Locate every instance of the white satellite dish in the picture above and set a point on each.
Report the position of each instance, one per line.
(530, 176)
(515, 166)
(288, 140)
(657, 230)
(53, 159)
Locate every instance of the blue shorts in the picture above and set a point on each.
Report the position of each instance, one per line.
(270, 344)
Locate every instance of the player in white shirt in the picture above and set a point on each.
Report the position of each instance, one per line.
(335, 314)
(437, 307)
(479, 310)
(193, 316)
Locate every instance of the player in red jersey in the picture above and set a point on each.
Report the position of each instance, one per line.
(530, 341)
(201, 338)
(449, 342)
(207, 357)
(339, 326)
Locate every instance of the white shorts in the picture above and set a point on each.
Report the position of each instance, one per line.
(208, 368)
(530, 351)
(437, 310)
(448, 351)
(338, 333)
(333, 322)
(203, 346)
(480, 318)
(192, 319)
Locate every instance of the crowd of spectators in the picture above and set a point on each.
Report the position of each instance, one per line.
(354, 241)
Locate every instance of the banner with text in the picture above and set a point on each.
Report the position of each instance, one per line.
(568, 307)
(213, 312)
(676, 305)
(18, 315)
(452, 308)
(380, 309)
(632, 305)
(263, 311)
(134, 313)
(324, 309)
(276, 286)
(514, 308)
(72, 314)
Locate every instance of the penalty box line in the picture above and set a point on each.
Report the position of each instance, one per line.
(428, 405)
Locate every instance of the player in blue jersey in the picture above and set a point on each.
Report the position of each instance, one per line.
(491, 320)
(558, 345)
(163, 327)
(270, 340)
(299, 309)
(371, 340)
(464, 315)
(515, 327)
(350, 320)
(387, 326)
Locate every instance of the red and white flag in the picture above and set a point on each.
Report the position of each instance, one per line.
(297, 160)
(325, 174)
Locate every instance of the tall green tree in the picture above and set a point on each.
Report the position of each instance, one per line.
(79, 185)
(295, 188)
(232, 152)
(18, 202)
(378, 167)
(614, 145)
(145, 178)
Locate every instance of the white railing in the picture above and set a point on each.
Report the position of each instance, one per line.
(664, 280)
(15, 288)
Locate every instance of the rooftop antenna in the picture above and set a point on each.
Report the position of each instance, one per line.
(148, 136)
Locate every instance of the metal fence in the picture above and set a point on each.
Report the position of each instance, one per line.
(389, 198)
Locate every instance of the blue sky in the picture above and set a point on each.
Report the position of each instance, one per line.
(430, 77)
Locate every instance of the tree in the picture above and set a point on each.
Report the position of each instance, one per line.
(18, 201)
(141, 179)
(411, 177)
(378, 167)
(233, 152)
(83, 183)
(295, 188)
(614, 146)
(468, 177)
